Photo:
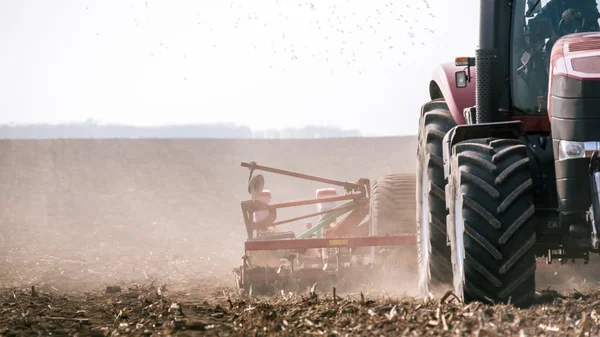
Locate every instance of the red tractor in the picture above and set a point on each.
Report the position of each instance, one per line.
(508, 152)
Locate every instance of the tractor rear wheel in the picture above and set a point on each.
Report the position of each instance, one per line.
(434, 264)
(492, 236)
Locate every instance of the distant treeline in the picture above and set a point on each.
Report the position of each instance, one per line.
(92, 129)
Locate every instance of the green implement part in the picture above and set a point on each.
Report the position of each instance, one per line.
(326, 220)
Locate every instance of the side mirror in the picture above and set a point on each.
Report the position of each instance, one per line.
(461, 79)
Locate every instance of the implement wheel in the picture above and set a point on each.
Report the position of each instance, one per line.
(392, 213)
(393, 204)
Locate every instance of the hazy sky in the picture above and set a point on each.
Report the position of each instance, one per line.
(265, 64)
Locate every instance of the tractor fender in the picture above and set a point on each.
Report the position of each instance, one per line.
(443, 85)
(459, 133)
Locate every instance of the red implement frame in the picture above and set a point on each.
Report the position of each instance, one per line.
(353, 226)
(351, 230)
(365, 241)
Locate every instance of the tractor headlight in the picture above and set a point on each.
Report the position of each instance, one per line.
(461, 79)
(570, 150)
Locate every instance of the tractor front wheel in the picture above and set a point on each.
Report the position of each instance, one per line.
(492, 236)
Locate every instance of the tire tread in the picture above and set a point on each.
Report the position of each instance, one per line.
(435, 122)
(499, 262)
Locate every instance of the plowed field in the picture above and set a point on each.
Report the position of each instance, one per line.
(161, 220)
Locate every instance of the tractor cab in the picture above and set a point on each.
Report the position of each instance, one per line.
(537, 25)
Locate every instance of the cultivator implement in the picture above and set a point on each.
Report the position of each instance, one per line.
(340, 250)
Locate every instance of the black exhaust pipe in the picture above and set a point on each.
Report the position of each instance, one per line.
(486, 59)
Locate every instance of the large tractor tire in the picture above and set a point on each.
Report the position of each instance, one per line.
(393, 204)
(492, 236)
(392, 213)
(434, 263)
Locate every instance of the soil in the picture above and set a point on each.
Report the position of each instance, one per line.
(140, 237)
(153, 310)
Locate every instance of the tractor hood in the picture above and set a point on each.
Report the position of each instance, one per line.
(577, 56)
(574, 99)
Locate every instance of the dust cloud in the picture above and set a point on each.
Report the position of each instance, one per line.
(85, 214)
(161, 219)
